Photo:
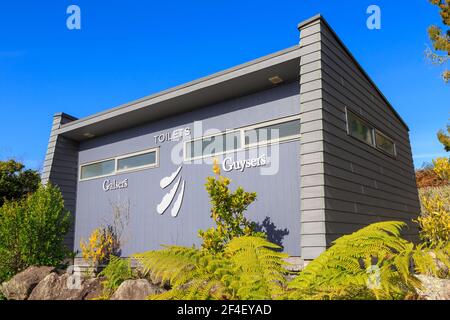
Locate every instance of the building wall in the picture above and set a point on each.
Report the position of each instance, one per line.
(60, 168)
(312, 158)
(277, 209)
(361, 185)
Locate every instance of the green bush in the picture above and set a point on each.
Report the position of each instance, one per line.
(32, 231)
(15, 181)
(227, 211)
(117, 271)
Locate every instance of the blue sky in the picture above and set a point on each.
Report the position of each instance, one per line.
(129, 49)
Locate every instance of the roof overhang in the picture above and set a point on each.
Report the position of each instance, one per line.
(235, 82)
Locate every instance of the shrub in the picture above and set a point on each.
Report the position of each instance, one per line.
(102, 244)
(15, 181)
(428, 178)
(227, 211)
(442, 168)
(32, 231)
(117, 271)
(434, 221)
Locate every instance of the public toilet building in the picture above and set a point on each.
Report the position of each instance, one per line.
(305, 128)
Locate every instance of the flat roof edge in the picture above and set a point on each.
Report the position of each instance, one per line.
(66, 127)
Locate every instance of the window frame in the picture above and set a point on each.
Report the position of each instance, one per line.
(241, 131)
(367, 123)
(389, 138)
(116, 164)
(374, 130)
(267, 124)
(146, 166)
(228, 131)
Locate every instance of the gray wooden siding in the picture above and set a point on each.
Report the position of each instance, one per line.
(362, 185)
(346, 184)
(312, 168)
(61, 168)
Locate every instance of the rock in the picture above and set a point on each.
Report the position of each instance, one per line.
(55, 287)
(22, 284)
(434, 288)
(135, 290)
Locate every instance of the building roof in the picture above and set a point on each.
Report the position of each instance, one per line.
(238, 81)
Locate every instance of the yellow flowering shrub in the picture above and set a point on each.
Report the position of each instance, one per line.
(434, 221)
(442, 168)
(101, 245)
(227, 211)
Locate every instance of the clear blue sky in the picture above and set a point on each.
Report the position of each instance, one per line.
(130, 49)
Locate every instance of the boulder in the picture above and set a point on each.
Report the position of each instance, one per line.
(135, 290)
(55, 287)
(23, 283)
(434, 288)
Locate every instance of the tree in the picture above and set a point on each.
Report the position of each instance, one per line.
(227, 211)
(15, 181)
(440, 39)
(444, 138)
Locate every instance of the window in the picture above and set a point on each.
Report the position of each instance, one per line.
(275, 132)
(385, 144)
(359, 128)
(98, 169)
(213, 145)
(271, 131)
(363, 131)
(137, 161)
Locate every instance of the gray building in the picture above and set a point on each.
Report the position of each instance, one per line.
(305, 128)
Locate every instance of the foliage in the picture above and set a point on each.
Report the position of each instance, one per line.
(440, 38)
(227, 212)
(442, 168)
(445, 138)
(15, 181)
(32, 231)
(434, 221)
(248, 268)
(117, 271)
(426, 178)
(103, 243)
(372, 263)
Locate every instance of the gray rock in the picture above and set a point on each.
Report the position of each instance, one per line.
(55, 287)
(135, 290)
(434, 288)
(22, 284)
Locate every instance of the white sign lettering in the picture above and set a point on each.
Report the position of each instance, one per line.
(174, 135)
(240, 165)
(109, 185)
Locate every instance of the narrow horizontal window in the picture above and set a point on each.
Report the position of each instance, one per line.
(98, 169)
(213, 145)
(360, 129)
(137, 161)
(275, 132)
(385, 144)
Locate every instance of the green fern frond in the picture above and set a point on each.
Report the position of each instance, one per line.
(346, 265)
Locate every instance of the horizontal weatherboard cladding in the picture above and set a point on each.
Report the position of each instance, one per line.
(360, 179)
(277, 209)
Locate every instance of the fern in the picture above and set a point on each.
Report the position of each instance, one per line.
(344, 271)
(117, 271)
(249, 268)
